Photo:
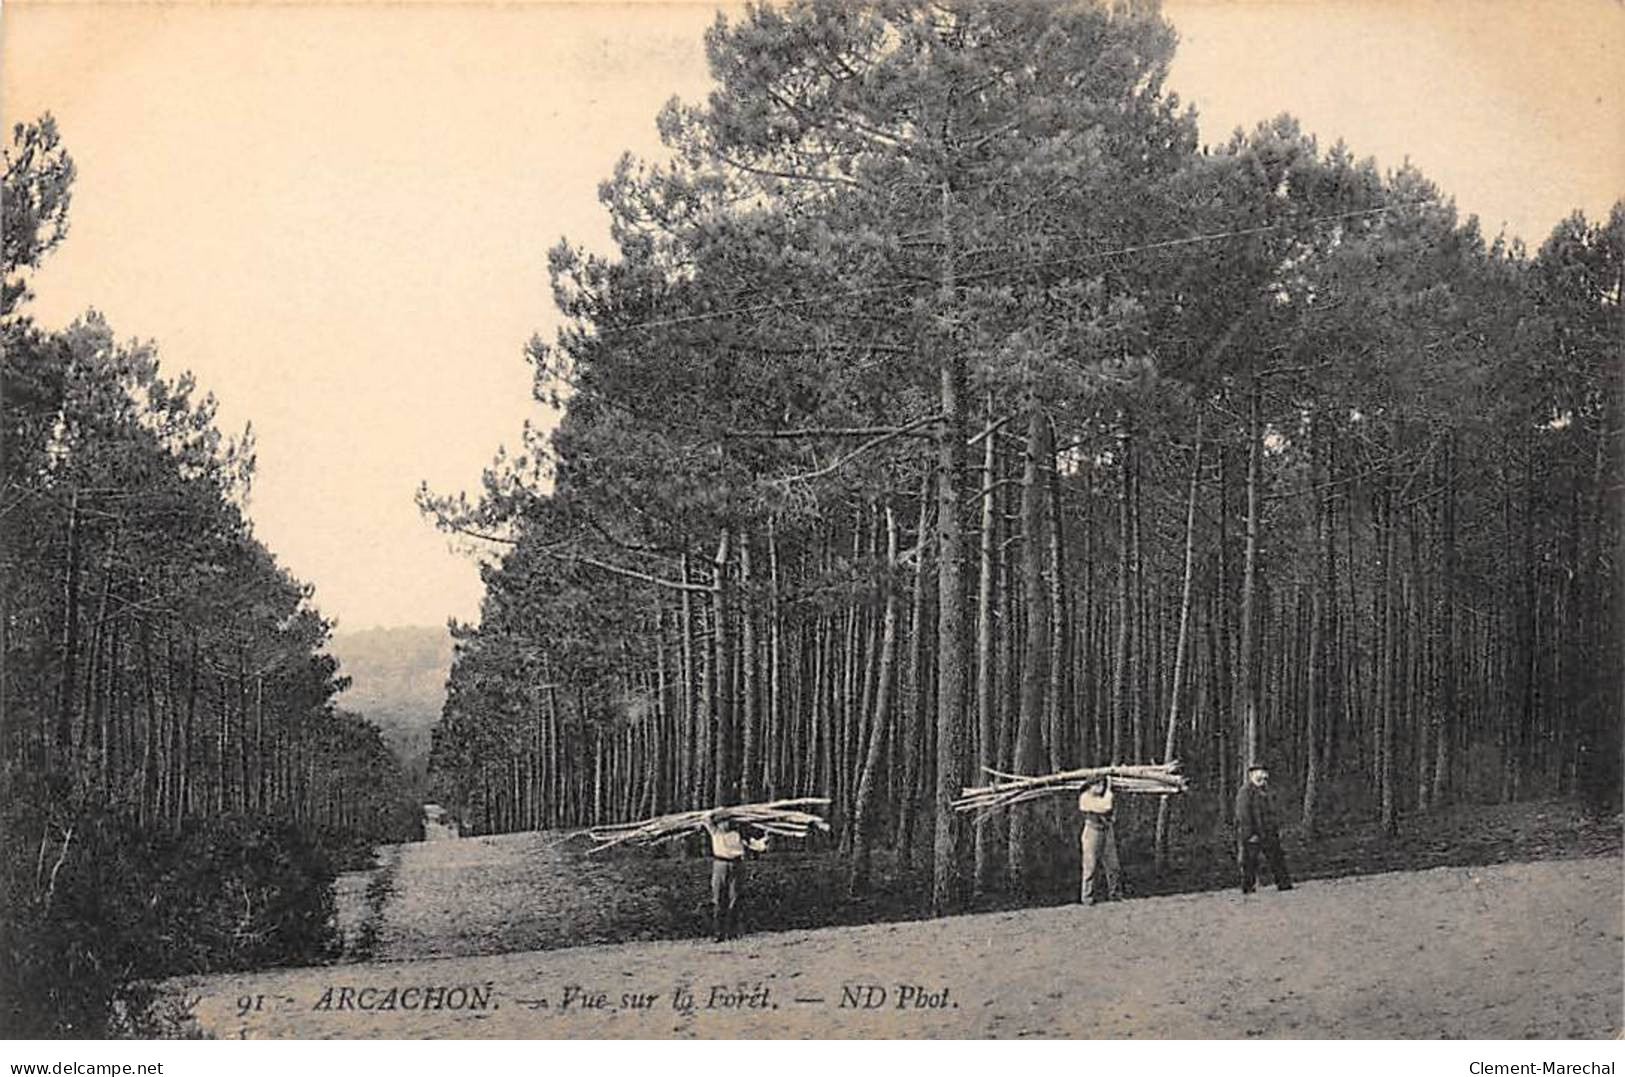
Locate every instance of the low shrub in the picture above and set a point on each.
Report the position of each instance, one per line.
(112, 903)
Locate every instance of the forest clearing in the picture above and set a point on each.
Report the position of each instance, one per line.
(534, 891)
(1506, 950)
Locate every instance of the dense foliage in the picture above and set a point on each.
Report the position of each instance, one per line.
(174, 778)
(947, 406)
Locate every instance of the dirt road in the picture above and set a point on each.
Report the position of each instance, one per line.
(1507, 951)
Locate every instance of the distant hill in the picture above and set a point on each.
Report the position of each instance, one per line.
(397, 682)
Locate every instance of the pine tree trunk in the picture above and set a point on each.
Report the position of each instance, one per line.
(1224, 717)
(597, 816)
(820, 746)
(555, 762)
(1120, 663)
(919, 686)
(1062, 749)
(1170, 744)
(1318, 644)
(1528, 635)
(688, 779)
(1026, 832)
(1390, 656)
(146, 806)
(70, 651)
(240, 767)
(847, 709)
(947, 883)
(185, 796)
(990, 853)
(868, 625)
(663, 749)
(774, 721)
(1086, 639)
(1137, 666)
(863, 817)
(1420, 702)
(1248, 664)
(749, 721)
(1008, 674)
(725, 787)
(1216, 696)
(168, 809)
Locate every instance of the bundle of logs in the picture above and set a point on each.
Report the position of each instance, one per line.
(784, 818)
(1161, 779)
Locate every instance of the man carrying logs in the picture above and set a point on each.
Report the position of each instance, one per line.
(1256, 834)
(1102, 877)
(732, 832)
(1096, 787)
(728, 848)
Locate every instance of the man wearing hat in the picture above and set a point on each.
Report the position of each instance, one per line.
(1255, 831)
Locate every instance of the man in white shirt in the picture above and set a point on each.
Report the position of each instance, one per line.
(728, 849)
(1102, 877)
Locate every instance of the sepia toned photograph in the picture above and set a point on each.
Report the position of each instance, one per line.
(806, 520)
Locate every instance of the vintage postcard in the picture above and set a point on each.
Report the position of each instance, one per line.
(913, 520)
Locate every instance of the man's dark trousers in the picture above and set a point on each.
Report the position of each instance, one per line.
(724, 897)
(1271, 850)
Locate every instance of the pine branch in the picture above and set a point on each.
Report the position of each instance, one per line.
(988, 431)
(859, 451)
(821, 432)
(633, 574)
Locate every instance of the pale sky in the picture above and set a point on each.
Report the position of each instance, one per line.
(338, 217)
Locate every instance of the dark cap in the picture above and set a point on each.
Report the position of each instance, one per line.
(1257, 764)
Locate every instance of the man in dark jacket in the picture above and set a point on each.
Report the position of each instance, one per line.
(1255, 831)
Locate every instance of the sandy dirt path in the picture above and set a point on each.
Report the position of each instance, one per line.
(1508, 951)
